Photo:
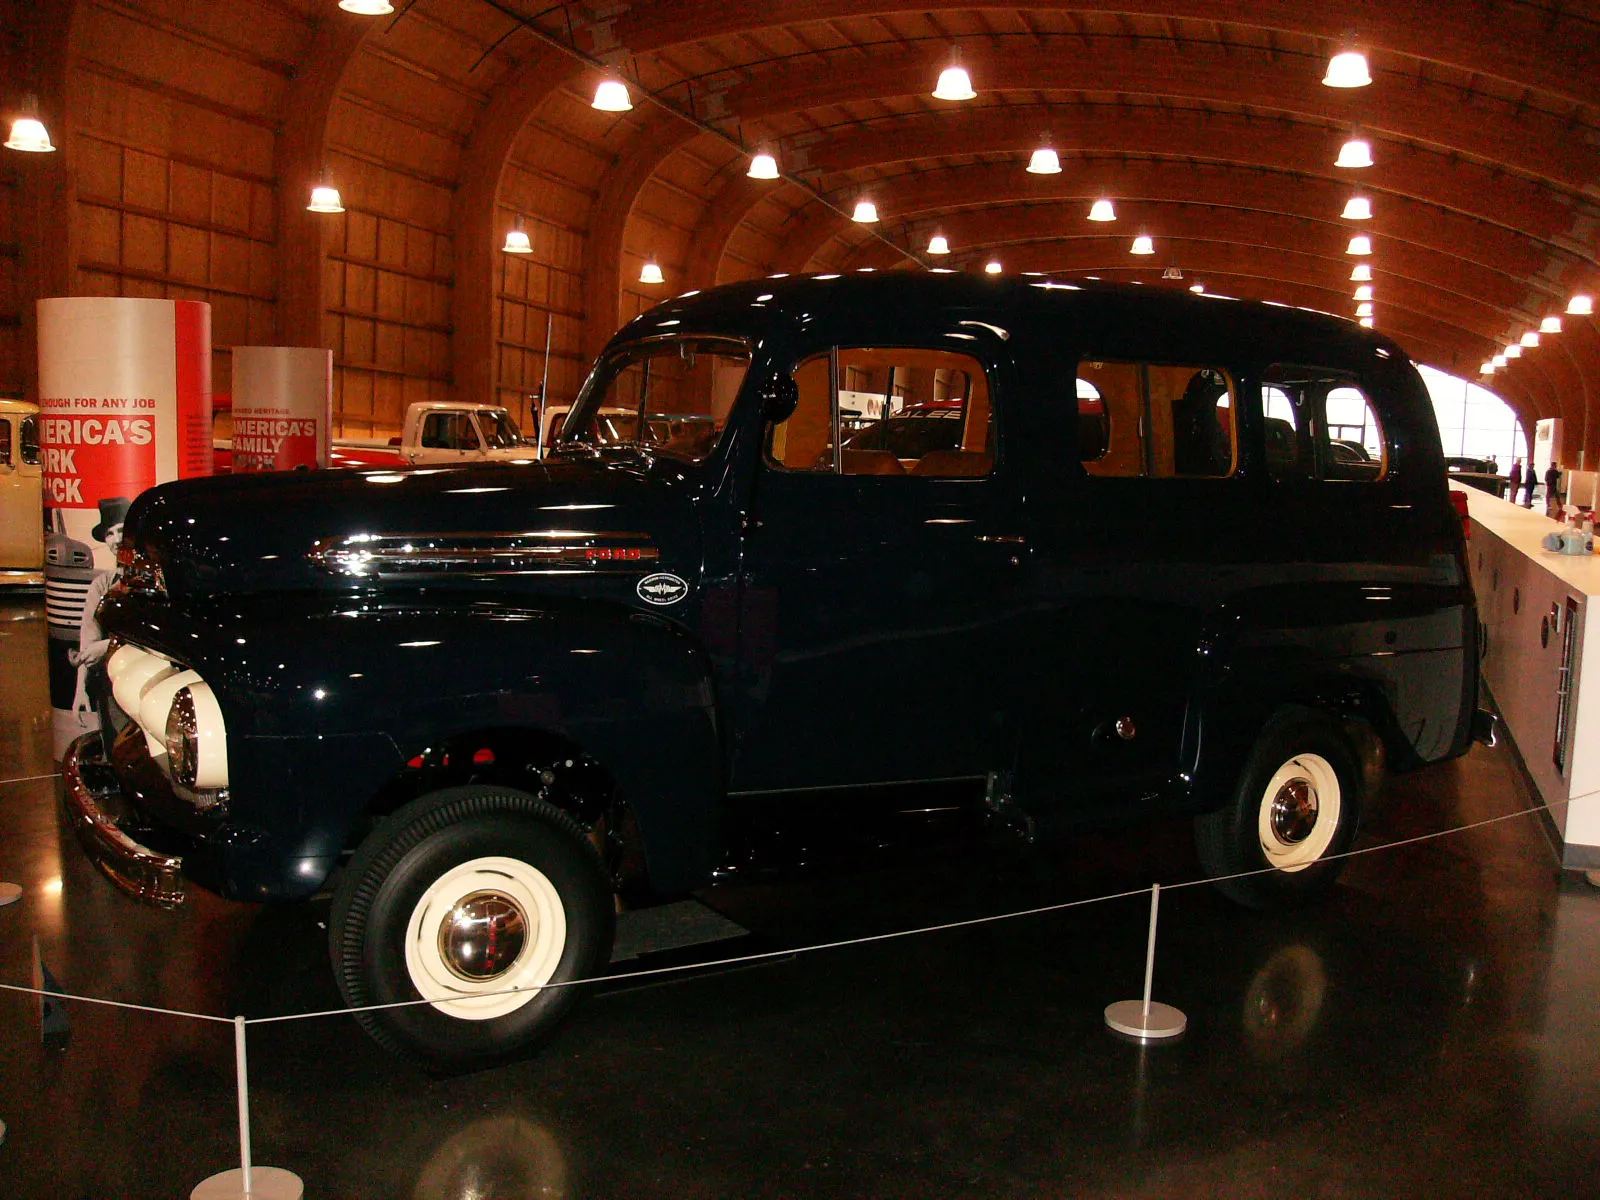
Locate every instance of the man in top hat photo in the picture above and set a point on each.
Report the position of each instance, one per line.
(90, 655)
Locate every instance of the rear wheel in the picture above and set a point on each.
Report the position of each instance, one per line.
(1296, 806)
(478, 900)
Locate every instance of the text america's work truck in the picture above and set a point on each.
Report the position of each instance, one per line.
(1127, 570)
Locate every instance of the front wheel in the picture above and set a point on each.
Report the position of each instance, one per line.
(1296, 807)
(476, 900)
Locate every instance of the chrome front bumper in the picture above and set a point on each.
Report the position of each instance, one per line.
(92, 796)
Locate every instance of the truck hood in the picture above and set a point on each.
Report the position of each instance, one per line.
(572, 525)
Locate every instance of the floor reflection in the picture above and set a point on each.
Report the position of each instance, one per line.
(502, 1157)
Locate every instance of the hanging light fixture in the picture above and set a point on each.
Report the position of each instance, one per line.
(1357, 152)
(1357, 208)
(1143, 244)
(1172, 272)
(1364, 309)
(1530, 339)
(1045, 161)
(1347, 70)
(938, 244)
(1364, 292)
(28, 133)
(1550, 325)
(367, 8)
(763, 166)
(1197, 288)
(1488, 368)
(1101, 210)
(866, 212)
(1365, 322)
(325, 197)
(1360, 244)
(611, 96)
(993, 266)
(1580, 306)
(1362, 273)
(1514, 350)
(954, 82)
(517, 240)
(651, 273)
(1499, 360)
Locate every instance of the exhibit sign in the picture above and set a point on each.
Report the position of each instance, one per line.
(124, 404)
(282, 408)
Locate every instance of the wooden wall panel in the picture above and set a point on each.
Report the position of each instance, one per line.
(14, 373)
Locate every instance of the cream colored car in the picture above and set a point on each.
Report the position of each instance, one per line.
(21, 523)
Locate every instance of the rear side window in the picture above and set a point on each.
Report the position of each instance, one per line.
(888, 411)
(30, 441)
(1320, 424)
(5, 442)
(1156, 420)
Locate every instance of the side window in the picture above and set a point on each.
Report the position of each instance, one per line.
(888, 412)
(5, 442)
(449, 431)
(30, 441)
(1320, 425)
(1156, 420)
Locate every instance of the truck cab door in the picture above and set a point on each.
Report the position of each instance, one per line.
(446, 436)
(880, 572)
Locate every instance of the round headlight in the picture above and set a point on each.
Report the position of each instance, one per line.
(183, 747)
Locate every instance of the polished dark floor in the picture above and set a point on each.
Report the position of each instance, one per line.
(1434, 1031)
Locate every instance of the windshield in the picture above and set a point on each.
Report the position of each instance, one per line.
(499, 430)
(672, 395)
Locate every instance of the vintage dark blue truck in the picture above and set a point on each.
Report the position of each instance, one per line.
(1057, 552)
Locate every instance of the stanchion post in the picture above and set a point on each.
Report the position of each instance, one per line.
(1145, 1019)
(248, 1182)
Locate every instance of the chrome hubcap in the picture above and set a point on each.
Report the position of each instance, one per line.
(1294, 812)
(482, 936)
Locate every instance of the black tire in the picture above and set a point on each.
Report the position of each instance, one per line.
(534, 869)
(1264, 823)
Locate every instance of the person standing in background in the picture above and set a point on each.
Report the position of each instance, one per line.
(1552, 497)
(1516, 480)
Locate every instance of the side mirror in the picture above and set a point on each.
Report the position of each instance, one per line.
(779, 398)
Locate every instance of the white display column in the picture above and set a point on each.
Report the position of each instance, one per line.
(282, 408)
(125, 404)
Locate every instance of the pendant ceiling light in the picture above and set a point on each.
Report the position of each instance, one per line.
(1550, 325)
(1143, 245)
(517, 240)
(1347, 70)
(1172, 272)
(993, 266)
(1364, 292)
(763, 166)
(938, 244)
(367, 8)
(1360, 244)
(651, 274)
(1365, 322)
(325, 198)
(1357, 208)
(1488, 368)
(1045, 161)
(1362, 273)
(612, 96)
(866, 212)
(1101, 210)
(1580, 305)
(28, 133)
(1530, 339)
(1357, 152)
(1364, 310)
(1514, 350)
(1197, 288)
(1499, 360)
(954, 84)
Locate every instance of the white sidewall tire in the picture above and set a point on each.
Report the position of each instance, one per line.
(508, 991)
(1319, 775)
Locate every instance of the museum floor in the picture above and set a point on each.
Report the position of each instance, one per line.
(1434, 1031)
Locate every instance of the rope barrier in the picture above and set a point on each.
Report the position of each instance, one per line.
(793, 952)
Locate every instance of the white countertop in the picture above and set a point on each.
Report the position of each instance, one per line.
(1523, 528)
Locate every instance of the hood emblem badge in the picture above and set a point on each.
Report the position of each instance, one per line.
(662, 589)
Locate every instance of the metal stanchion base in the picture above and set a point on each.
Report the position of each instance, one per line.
(1129, 1017)
(10, 893)
(1593, 877)
(266, 1183)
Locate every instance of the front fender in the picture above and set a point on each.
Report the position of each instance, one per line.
(298, 676)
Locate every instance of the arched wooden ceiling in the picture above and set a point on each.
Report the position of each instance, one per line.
(192, 132)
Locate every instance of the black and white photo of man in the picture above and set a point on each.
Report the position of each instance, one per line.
(90, 656)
